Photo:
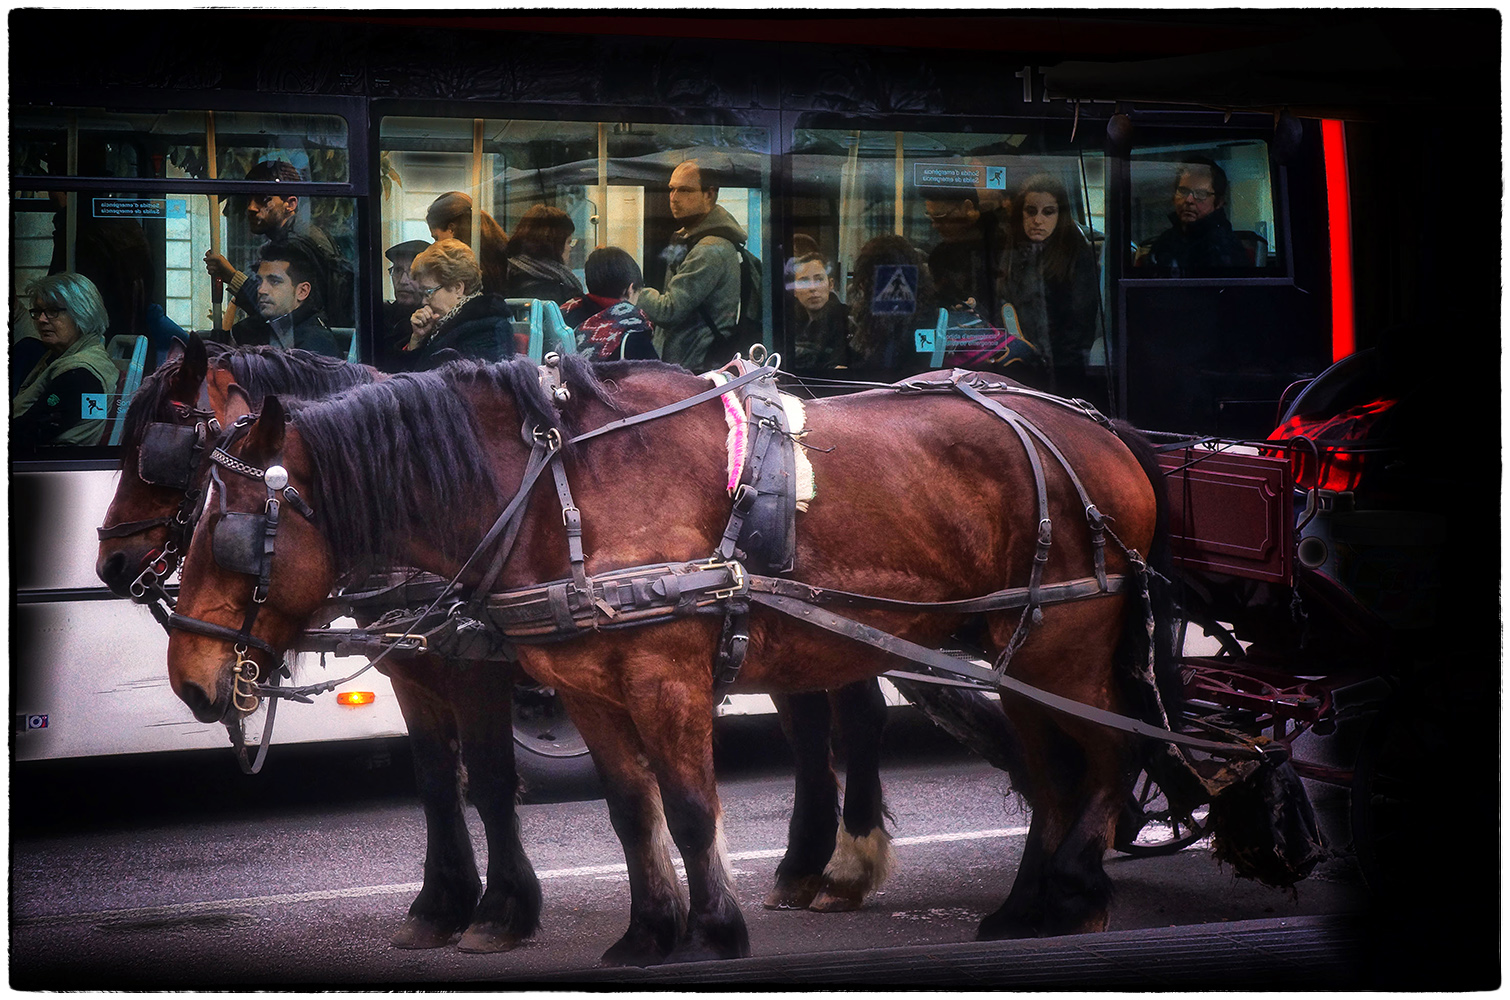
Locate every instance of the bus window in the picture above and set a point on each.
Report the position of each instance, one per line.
(1203, 209)
(133, 263)
(1002, 232)
(607, 179)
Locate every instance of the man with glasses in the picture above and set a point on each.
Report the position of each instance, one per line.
(968, 258)
(407, 297)
(696, 313)
(1200, 238)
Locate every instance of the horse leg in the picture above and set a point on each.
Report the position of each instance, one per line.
(1061, 885)
(509, 911)
(449, 893)
(675, 720)
(815, 803)
(657, 911)
(862, 857)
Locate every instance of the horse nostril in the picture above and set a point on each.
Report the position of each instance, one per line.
(199, 703)
(113, 572)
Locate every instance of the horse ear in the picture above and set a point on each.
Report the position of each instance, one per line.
(266, 437)
(190, 374)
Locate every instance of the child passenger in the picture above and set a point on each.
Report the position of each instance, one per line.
(614, 328)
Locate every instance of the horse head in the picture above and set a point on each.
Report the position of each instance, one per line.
(167, 438)
(255, 572)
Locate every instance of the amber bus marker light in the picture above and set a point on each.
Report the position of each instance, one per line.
(356, 698)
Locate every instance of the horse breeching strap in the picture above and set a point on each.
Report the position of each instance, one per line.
(565, 609)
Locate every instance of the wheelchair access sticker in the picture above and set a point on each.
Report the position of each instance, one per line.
(93, 406)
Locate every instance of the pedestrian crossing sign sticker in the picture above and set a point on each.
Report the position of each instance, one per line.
(896, 290)
(93, 405)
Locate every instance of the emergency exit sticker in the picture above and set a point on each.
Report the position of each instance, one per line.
(141, 208)
(93, 406)
(960, 175)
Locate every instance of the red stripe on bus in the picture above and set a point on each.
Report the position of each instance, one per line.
(1334, 155)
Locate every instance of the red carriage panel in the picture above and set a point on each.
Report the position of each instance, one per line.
(1231, 513)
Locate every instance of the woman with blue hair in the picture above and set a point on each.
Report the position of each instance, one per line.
(61, 401)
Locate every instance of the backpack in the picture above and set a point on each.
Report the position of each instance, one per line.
(749, 327)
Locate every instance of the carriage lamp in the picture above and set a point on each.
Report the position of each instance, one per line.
(356, 699)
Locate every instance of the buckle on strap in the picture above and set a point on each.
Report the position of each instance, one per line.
(736, 577)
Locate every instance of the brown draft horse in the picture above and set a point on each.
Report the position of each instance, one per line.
(919, 499)
(458, 712)
(455, 713)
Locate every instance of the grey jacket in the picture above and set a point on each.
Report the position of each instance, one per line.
(707, 273)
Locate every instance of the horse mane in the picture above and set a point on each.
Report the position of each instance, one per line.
(264, 371)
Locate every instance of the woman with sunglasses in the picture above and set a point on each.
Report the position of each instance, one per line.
(64, 399)
(457, 318)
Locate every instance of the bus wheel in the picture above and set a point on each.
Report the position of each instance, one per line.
(550, 755)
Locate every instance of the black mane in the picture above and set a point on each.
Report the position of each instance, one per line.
(264, 371)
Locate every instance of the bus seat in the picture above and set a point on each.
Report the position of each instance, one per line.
(529, 328)
(346, 336)
(557, 335)
(130, 356)
(1254, 246)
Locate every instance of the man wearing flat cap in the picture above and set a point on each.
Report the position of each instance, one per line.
(407, 297)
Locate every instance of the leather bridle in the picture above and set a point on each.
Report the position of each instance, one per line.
(170, 455)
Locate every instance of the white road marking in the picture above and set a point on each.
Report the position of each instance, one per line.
(181, 910)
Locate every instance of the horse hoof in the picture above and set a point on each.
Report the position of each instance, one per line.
(794, 895)
(487, 939)
(632, 949)
(837, 899)
(417, 933)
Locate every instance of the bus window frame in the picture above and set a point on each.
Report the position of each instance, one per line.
(361, 174)
(1055, 113)
(771, 120)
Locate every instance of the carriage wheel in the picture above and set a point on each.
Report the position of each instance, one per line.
(550, 755)
(1150, 827)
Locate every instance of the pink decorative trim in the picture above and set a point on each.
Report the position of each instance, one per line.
(735, 418)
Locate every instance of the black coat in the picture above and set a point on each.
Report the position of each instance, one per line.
(1203, 246)
(549, 281)
(483, 328)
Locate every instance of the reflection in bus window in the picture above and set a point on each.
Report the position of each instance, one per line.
(1203, 210)
(607, 179)
(982, 291)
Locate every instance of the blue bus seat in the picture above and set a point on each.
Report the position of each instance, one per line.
(130, 356)
(539, 327)
(346, 336)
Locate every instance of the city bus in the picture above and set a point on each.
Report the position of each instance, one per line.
(826, 134)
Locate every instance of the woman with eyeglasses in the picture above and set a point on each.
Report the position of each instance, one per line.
(537, 257)
(1049, 283)
(65, 398)
(457, 318)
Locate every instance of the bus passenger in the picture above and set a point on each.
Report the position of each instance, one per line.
(609, 325)
(537, 257)
(459, 318)
(1050, 282)
(968, 257)
(702, 273)
(819, 320)
(1200, 237)
(62, 401)
(883, 337)
(394, 333)
(450, 218)
(288, 300)
(277, 218)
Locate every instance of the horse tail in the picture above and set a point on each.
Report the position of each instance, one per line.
(1161, 596)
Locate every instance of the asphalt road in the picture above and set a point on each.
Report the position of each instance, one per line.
(189, 875)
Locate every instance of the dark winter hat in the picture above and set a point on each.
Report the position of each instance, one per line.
(409, 248)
